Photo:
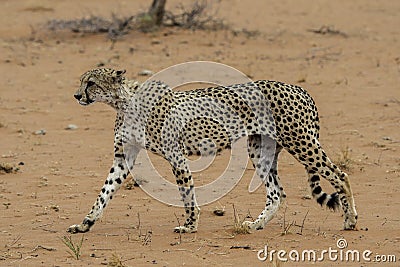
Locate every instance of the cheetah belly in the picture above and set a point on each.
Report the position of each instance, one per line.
(207, 137)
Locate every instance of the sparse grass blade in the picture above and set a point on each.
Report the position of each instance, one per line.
(74, 247)
(238, 227)
(344, 161)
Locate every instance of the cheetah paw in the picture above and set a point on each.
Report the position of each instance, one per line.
(251, 226)
(350, 226)
(350, 223)
(184, 229)
(78, 228)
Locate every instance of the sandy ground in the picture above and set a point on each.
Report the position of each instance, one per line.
(353, 78)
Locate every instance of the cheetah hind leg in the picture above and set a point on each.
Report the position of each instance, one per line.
(263, 150)
(343, 197)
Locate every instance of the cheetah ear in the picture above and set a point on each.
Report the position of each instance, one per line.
(118, 75)
(120, 72)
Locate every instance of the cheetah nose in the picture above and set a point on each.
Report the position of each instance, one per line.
(78, 97)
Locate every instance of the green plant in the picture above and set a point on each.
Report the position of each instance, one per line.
(75, 247)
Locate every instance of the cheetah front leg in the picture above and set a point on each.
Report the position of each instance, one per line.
(124, 159)
(186, 190)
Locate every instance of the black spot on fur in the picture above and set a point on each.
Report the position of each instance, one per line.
(322, 198)
(314, 178)
(317, 190)
(88, 222)
(334, 202)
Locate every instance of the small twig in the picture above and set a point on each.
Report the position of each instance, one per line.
(286, 228)
(13, 242)
(325, 30)
(378, 162)
(139, 225)
(49, 230)
(101, 249)
(302, 224)
(214, 246)
(284, 218)
(179, 225)
(43, 247)
(128, 259)
(238, 247)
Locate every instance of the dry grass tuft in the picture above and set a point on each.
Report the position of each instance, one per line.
(344, 160)
(8, 168)
(115, 261)
(238, 227)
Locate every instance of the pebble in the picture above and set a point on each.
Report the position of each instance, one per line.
(146, 73)
(40, 132)
(6, 167)
(71, 127)
(219, 212)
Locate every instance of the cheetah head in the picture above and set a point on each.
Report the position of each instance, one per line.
(100, 85)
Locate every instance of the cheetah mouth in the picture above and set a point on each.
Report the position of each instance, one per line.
(88, 102)
(83, 103)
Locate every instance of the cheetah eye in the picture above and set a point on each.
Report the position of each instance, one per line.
(90, 83)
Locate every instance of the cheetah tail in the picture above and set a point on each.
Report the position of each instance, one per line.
(331, 201)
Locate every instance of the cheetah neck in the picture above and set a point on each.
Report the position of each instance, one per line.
(124, 95)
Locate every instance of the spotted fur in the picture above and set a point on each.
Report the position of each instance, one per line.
(273, 115)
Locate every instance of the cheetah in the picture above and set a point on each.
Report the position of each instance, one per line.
(273, 115)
